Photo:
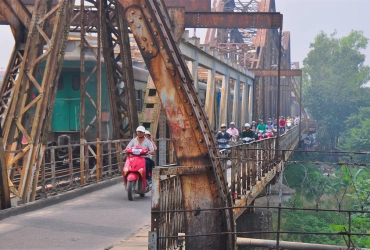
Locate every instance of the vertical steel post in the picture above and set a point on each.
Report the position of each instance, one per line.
(244, 107)
(300, 107)
(98, 97)
(4, 185)
(278, 96)
(225, 95)
(236, 104)
(210, 97)
(82, 94)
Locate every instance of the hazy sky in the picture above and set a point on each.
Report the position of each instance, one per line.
(303, 18)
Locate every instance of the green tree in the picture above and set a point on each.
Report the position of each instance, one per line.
(357, 134)
(334, 73)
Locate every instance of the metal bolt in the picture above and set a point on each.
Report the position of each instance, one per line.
(132, 12)
(173, 73)
(152, 44)
(144, 39)
(131, 20)
(168, 60)
(155, 32)
(138, 25)
(144, 6)
(185, 101)
(196, 127)
(142, 48)
(179, 87)
(191, 114)
(140, 16)
(201, 140)
(150, 52)
(161, 47)
(150, 20)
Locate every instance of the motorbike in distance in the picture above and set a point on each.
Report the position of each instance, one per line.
(288, 124)
(134, 172)
(269, 133)
(223, 144)
(246, 140)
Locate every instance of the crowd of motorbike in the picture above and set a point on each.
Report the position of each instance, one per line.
(136, 172)
(252, 132)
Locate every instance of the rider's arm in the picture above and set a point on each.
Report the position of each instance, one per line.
(129, 145)
(150, 146)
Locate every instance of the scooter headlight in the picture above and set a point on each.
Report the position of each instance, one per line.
(125, 171)
(141, 170)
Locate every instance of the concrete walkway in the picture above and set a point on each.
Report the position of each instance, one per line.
(139, 241)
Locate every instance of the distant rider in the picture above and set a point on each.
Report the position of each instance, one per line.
(223, 134)
(233, 131)
(254, 126)
(247, 132)
(282, 125)
(261, 128)
(149, 136)
(143, 142)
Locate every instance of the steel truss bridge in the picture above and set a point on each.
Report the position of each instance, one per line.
(245, 51)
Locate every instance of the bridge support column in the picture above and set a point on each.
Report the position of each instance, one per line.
(210, 98)
(225, 97)
(245, 104)
(193, 68)
(236, 106)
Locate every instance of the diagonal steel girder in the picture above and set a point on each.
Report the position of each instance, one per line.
(119, 69)
(46, 40)
(19, 32)
(189, 127)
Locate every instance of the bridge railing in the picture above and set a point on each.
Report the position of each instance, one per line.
(60, 169)
(247, 168)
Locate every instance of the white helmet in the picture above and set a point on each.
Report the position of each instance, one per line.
(140, 129)
(247, 125)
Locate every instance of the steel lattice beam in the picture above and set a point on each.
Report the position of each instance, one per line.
(52, 33)
(119, 69)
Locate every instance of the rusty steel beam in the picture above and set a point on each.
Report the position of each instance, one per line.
(190, 5)
(274, 72)
(20, 11)
(4, 184)
(229, 20)
(258, 20)
(191, 134)
(119, 69)
(46, 27)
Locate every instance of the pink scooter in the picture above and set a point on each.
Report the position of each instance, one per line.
(134, 173)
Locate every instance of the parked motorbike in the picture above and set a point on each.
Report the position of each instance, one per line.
(134, 173)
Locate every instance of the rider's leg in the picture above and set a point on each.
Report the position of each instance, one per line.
(148, 168)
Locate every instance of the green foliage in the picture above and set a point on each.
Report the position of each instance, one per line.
(334, 72)
(357, 134)
(348, 188)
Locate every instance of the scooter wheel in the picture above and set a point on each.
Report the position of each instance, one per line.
(130, 190)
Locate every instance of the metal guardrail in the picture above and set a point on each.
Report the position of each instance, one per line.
(60, 170)
(248, 168)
